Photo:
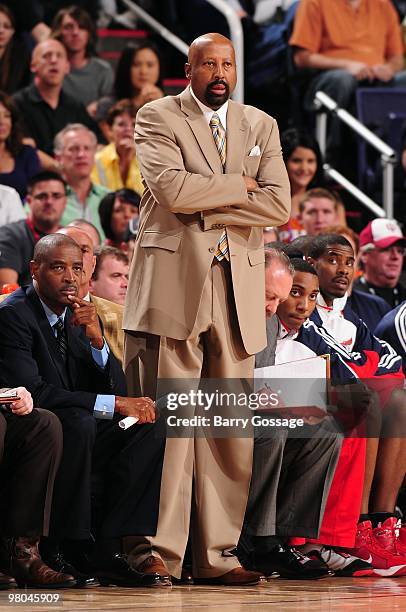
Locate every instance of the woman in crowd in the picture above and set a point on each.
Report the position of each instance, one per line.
(116, 165)
(14, 55)
(138, 75)
(118, 213)
(18, 162)
(138, 79)
(304, 164)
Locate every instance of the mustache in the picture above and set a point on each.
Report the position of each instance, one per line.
(218, 82)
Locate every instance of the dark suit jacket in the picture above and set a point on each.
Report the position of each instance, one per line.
(267, 356)
(29, 356)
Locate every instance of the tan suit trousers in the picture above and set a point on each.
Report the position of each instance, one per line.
(215, 472)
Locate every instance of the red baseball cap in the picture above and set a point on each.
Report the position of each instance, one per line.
(381, 234)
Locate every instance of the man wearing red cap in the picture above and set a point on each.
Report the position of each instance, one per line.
(382, 250)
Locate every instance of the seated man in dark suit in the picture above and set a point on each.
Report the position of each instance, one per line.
(30, 451)
(51, 340)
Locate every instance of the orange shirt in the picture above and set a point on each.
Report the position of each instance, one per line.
(291, 230)
(371, 34)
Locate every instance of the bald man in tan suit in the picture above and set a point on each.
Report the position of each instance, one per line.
(214, 177)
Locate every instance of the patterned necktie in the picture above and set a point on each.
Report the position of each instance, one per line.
(61, 338)
(220, 140)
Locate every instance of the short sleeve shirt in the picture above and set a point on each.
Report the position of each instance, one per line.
(370, 34)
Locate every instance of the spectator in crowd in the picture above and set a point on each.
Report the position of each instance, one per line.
(11, 208)
(302, 156)
(110, 276)
(46, 200)
(318, 209)
(370, 308)
(109, 313)
(382, 252)
(18, 162)
(29, 18)
(89, 228)
(138, 74)
(138, 79)
(117, 210)
(51, 7)
(14, 55)
(30, 452)
(347, 44)
(385, 463)
(53, 340)
(44, 107)
(304, 164)
(116, 164)
(75, 148)
(90, 78)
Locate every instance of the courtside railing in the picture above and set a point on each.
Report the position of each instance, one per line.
(327, 106)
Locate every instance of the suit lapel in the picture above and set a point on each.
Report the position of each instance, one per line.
(199, 127)
(48, 335)
(237, 136)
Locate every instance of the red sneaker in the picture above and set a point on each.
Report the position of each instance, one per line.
(379, 547)
(401, 538)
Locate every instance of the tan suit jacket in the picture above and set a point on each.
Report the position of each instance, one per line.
(188, 201)
(111, 316)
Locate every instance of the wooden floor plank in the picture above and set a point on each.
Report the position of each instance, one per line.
(346, 594)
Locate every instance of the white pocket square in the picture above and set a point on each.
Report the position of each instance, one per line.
(255, 151)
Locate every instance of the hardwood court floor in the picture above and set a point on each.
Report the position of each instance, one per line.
(346, 594)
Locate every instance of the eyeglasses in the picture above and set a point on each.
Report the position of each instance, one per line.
(43, 196)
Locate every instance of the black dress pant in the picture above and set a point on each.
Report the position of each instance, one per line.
(30, 451)
(291, 479)
(109, 479)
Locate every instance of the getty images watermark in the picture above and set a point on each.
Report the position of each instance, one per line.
(227, 410)
(302, 407)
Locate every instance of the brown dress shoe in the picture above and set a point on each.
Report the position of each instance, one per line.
(155, 565)
(7, 582)
(29, 570)
(236, 577)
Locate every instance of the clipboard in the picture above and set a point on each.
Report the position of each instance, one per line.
(309, 397)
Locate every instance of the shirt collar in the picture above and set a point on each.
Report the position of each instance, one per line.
(72, 193)
(51, 315)
(33, 93)
(338, 303)
(110, 152)
(209, 112)
(285, 332)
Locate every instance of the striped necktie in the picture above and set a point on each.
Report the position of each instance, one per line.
(61, 339)
(219, 136)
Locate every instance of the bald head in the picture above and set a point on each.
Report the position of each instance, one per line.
(211, 69)
(84, 241)
(49, 243)
(49, 63)
(210, 38)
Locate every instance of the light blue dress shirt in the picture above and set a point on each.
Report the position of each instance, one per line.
(104, 404)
